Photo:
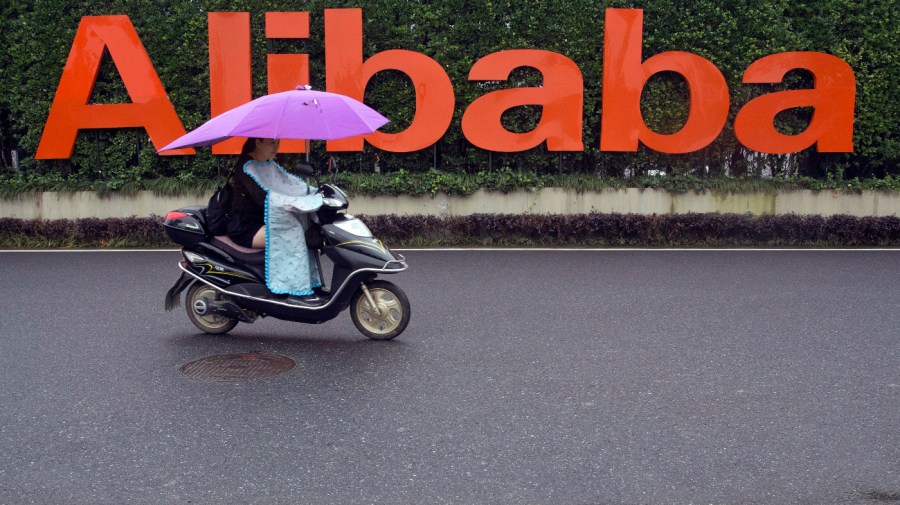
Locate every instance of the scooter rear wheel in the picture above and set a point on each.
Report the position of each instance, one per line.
(391, 317)
(196, 301)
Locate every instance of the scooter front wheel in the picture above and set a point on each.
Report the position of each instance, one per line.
(387, 318)
(197, 301)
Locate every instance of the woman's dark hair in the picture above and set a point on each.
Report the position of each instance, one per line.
(248, 148)
(249, 145)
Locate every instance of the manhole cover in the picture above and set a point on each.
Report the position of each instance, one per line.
(238, 367)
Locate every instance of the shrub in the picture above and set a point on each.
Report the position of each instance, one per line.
(685, 230)
(502, 230)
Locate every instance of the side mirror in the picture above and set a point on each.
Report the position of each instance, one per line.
(304, 169)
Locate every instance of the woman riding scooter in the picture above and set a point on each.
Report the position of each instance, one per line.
(246, 219)
(226, 283)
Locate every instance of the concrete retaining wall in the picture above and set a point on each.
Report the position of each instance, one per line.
(52, 205)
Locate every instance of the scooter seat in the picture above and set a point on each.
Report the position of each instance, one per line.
(239, 252)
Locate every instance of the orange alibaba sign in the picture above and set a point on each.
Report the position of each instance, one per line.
(561, 95)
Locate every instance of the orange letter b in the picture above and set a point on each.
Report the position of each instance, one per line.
(346, 73)
(624, 77)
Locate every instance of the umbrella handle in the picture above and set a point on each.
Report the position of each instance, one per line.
(332, 169)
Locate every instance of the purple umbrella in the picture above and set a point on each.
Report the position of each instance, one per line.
(297, 114)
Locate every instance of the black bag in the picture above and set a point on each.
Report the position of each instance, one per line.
(217, 211)
(313, 235)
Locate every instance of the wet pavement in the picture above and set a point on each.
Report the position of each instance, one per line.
(594, 377)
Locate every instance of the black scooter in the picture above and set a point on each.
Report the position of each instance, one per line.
(226, 282)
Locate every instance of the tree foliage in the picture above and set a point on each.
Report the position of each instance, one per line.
(37, 36)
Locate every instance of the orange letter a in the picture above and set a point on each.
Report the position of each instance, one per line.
(70, 112)
(833, 96)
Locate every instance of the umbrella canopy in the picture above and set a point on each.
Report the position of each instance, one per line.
(302, 114)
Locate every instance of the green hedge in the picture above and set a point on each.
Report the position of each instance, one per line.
(602, 230)
(431, 182)
(36, 37)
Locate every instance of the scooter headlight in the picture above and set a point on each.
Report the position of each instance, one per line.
(354, 226)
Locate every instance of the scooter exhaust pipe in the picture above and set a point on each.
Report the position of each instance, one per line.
(225, 308)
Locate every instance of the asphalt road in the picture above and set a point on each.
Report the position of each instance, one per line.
(592, 377)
